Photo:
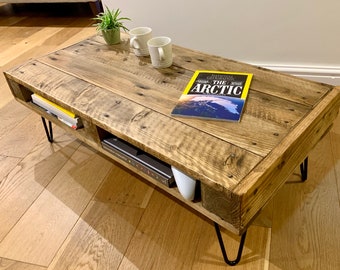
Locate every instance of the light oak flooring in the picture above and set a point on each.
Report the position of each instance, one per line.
(64, 206)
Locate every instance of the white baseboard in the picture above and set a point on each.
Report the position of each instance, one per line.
(325, 74)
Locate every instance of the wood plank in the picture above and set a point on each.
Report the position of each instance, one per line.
(6, 165)
(95, 240)
(148, 90)
(35, 40)
(50, 38)
(147, 86)
(266, 81)
(5, 93)
(134, 123)
(123, 187)
(6, 21)
(100, 238)
(19, 143)
(11, 114)
(25, 182)
(6, 264)
(8, 122)
(305, 231)
(186, 60)
(82, 30)
(195, 246)
(16, 28)
(335, 142)
(153, 245)
(80, 100)
(25, 30)
(46, 224)
(286, 157)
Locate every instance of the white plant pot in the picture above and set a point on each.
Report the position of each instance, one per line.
(186, 185)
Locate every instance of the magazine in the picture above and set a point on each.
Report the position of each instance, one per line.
(214, 95)
(62, 114)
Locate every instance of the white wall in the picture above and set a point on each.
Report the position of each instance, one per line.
(298, 36)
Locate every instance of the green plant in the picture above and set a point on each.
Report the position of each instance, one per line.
(109, 19)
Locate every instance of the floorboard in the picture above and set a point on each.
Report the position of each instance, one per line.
(6, 264)
(39, 233)
(104, 232)
(304, 232)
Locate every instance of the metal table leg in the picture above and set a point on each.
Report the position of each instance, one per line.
(224, 253)
(304, 169)
(48, 130)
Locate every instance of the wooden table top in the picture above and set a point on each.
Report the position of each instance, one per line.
(246, 162)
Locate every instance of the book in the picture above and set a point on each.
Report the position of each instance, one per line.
(217, 95)
(65, 116)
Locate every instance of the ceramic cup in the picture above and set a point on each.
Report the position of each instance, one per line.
(139, 37)
(186, 185)
(160, 49)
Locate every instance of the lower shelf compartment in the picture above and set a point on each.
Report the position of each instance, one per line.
(142, 161)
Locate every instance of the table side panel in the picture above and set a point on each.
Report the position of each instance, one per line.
(265, 180)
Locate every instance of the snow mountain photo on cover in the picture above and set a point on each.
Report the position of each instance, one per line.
(207, 106)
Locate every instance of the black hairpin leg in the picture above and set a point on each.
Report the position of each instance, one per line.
(304, 169)
(224, 253)
(48, 130)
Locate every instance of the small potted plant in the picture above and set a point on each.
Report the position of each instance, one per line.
(109, 24)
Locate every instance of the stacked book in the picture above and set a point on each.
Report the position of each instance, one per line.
(61, 113)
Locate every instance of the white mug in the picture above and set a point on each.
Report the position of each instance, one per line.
(186, 185)
(160, 49)
(139, 37)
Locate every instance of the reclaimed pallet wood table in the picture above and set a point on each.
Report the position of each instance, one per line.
(240, 166)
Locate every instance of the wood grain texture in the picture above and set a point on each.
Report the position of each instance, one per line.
(19, 30)
(123, 187)
(20, 143)
(7, 112)
(102, 235)
(6, 264)
(143, 126)
(146, 86)
(288, 155)
(172, 236)
(311, 238)
(29, 176)
(335, 150)
(100, 238)
(284, 118)
(36, 238)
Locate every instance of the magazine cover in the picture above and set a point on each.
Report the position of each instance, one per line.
(214, 95)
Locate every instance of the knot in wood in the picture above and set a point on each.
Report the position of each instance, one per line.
(229, 159)
(140, 116)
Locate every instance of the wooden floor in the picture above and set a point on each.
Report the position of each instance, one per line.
(64, 206)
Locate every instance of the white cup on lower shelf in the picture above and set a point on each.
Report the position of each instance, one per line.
(186, 185)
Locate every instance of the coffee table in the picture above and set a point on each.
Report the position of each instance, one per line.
(240, 166)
